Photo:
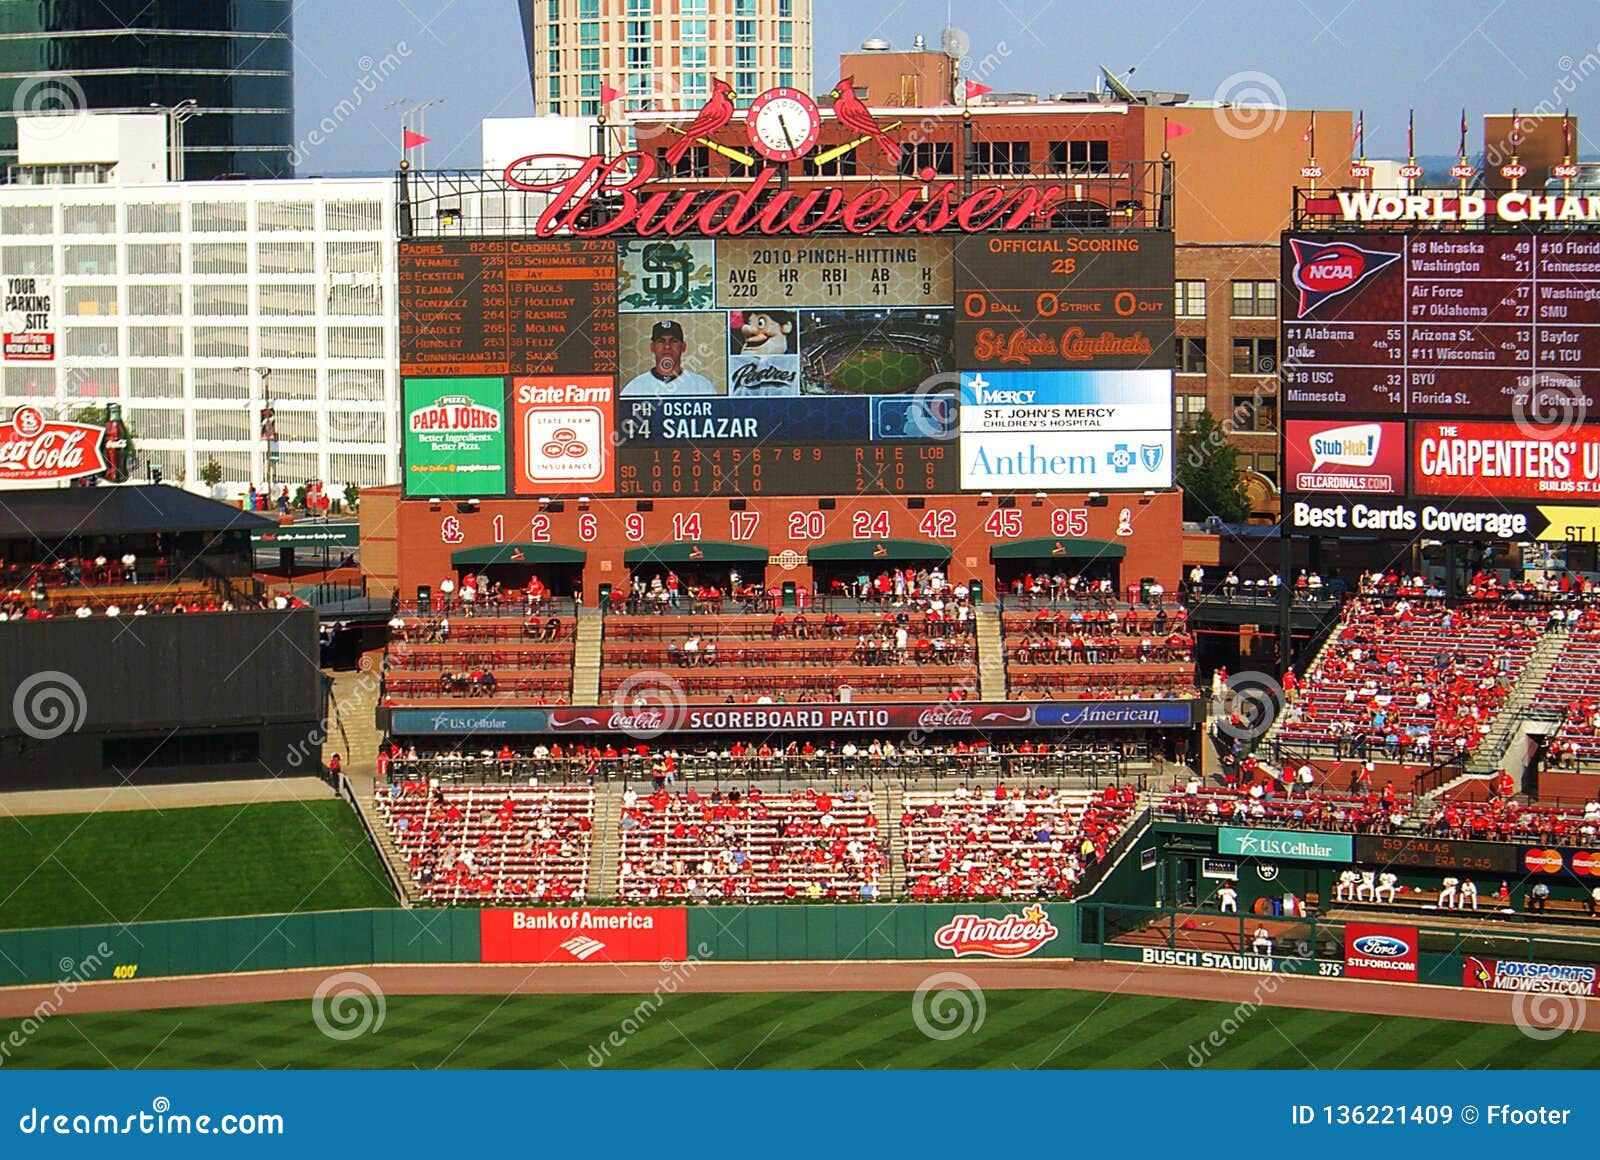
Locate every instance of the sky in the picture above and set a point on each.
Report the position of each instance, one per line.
(353, 57)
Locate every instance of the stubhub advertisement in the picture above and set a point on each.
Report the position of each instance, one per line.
(1335, 456)
(1066, 430)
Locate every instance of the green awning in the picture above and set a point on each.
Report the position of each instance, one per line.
(1065, 548)
(487, 554)
(851, 551)
(695, 552)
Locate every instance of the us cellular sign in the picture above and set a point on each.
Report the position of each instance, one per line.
(1282, 844)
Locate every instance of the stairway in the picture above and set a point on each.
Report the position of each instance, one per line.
(586, 657)
(605, 845)
(893, 805)
(351, 731)
(1486, 757)
(1270, 739)
(991, 654)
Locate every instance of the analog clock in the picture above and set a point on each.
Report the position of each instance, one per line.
(784, 124)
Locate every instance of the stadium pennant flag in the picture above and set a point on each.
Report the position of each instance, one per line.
(1174, 131)
(1516, 131)
(977, 89)
(1310, 135)
(1463, 151)
(1411, 133)
(1566, 134)
(1358, 139)
(608, 94)
(412, 140)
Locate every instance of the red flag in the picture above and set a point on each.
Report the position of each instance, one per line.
(1178, 130)
(1311, 130)
(412, 140)
(977, 89)
(1358, 138)
(608, 94)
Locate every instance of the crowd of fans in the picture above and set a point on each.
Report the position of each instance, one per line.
(741, 846)
(1006, 843)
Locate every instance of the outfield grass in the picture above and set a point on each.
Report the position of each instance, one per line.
(274, 857)
(1023, 1029)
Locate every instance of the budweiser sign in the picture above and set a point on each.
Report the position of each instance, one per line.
(615, 186)
(1014, 936)
(35, 449)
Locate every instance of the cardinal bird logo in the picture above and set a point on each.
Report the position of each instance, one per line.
(851, 112)
(713, 115)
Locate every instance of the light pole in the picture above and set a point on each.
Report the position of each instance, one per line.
(183, 111)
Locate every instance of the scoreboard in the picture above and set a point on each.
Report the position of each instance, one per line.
(786, 365)
(1439, 324)
(1451, 370)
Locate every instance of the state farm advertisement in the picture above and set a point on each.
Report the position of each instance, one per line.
(34, 449)
(1515, 975)
(1387, 954)
(584, 935)
(27, 320)
(1521, 460)
(1334, 456)
(563, 434)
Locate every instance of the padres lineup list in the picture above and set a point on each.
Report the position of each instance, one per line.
(1442, 325)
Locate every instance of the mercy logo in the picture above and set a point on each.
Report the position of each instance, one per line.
(980, 392)
(1324, 270)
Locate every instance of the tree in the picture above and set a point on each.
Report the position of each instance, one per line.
(211, 473)
(352, 497)
(1208, 472)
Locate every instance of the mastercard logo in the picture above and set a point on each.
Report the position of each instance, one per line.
(1542, 861)
(1586, 862)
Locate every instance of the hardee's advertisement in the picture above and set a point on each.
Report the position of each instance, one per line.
(1335, 456)
(1506, 460)
(1538, 978)
(1387, 954)
(1012, 936)
(584, 935)
(563, 434)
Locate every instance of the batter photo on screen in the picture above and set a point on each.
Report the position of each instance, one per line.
(671, 357)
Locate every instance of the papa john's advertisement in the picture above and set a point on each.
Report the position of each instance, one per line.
(455, 437)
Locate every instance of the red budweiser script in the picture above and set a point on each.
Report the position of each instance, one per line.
(582, 935)
(34, 448)
(1011, 937)
(616, 185)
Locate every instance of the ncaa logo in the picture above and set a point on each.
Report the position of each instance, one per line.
(1324, 270)
(1381, 946)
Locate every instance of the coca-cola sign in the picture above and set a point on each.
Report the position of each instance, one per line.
(34, 449)
(764, 206)
(1012, 936)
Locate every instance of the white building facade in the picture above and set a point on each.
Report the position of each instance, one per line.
(196, 305)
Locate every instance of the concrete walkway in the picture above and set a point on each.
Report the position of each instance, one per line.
(161, 797)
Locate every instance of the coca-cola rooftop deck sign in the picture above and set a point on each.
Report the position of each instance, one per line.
(34, 449)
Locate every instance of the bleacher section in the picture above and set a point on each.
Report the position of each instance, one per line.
(1074, 653)
(493, 844)
(1413, 679)
(498, 659)
(891, 655)
(1570, 694)
(1001, 843)
(809, 844)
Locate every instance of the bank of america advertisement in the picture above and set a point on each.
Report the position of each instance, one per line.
(455, 437)
(1066, 429)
